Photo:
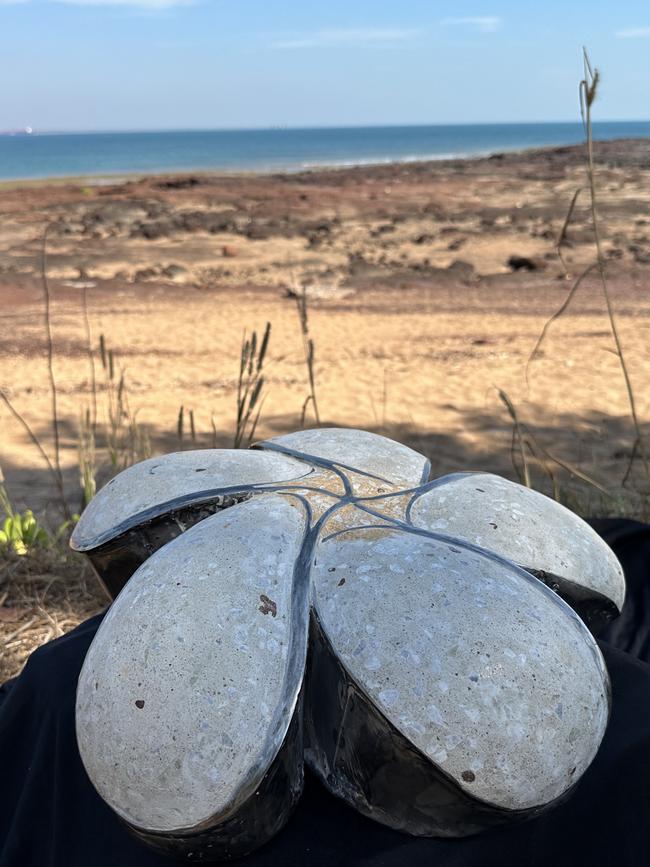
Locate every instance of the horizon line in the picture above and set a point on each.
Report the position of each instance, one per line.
(35, 131)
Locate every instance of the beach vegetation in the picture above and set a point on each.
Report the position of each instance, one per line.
(525, 446)
(37, 570)
(250, 386)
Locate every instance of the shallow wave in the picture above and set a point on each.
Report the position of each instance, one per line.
(409, 158)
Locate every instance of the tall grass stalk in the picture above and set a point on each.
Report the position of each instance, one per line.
(562, 237)
(517, 441)
(86, 458)
(36, 442)
(91, 356)
(309, 350)
(180, 427)
(50, 371)
(588, 90)
(250, 387)
(126, 441)
(5, 501)
(525, 443)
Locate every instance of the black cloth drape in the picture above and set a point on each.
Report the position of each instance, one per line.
(631, 540)
(50, 816)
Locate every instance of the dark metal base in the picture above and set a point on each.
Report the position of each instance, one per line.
(594, 609)
(116, 561)
(363, 759)
(255, 821)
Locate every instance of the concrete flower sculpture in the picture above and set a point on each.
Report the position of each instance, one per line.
(448, 687)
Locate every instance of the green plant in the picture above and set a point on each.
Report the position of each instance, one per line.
(21, 532)
(65, 527)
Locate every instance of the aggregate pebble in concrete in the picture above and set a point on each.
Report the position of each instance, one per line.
(156, 481)
(185, 695)
(183, 701)
(360, 449)
(480, 666)
(524, 526)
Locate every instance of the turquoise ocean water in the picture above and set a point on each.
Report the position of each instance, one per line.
(50, 155)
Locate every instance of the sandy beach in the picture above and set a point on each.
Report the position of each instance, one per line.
(418, 312)
(428, 286)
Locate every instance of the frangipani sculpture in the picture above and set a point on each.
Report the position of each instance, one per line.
(447, 688)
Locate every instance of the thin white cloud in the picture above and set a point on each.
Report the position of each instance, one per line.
(484, 23)
(140, 4)
(351, 36)
(136, 4)
(634, 33)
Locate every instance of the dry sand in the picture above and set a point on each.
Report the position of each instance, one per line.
(416, 315)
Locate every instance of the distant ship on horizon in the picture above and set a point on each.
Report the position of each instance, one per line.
(26, 130)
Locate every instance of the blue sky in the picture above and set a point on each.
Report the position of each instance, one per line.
(178, 64)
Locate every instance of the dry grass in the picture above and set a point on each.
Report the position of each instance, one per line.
(250, 387)
(42, 596)
(588, 90)
(302, 306)
(49, 591)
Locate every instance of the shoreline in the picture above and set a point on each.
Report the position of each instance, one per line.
(97, 179)
(429, 283)
(106, 156)
(127, 175)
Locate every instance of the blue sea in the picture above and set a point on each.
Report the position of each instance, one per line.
(96, 154)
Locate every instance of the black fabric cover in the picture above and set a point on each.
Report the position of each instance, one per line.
(631, 541)
(51, 815)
